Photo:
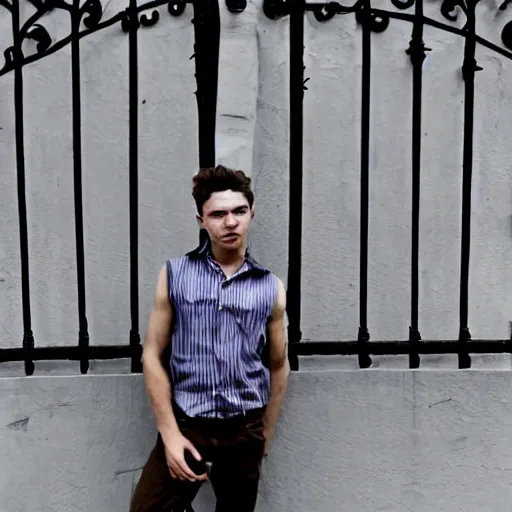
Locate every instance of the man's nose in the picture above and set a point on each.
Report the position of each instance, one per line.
(231, 221)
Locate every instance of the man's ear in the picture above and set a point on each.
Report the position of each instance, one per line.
(252, 212)
(199, 220)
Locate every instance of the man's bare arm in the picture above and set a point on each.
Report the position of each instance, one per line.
(279, 366)
(155, 377)
(158, 386)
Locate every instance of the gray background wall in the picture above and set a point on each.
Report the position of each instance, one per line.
(363, 441)
(253, 116)
(348, 440)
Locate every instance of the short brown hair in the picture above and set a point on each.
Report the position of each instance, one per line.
(217, 179)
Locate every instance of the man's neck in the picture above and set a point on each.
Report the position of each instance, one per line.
(229, 261)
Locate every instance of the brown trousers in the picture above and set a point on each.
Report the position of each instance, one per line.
(235, 449)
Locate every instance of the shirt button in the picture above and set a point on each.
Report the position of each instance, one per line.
(220, 307)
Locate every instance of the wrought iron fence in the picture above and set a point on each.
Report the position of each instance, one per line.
(377, 20)
(88, 18)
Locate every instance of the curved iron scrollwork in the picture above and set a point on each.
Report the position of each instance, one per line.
(363, 12)
(276, 9)
(506, 33)
(176, 7)
(236, 6)
(90, 14)
(449, 10)
(378, 22)
(379, 19)
(402, 5)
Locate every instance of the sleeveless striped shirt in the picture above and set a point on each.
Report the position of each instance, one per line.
(219, 334)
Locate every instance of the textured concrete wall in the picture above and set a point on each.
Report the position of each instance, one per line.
(355, 441)
(362, 441)
(253, 117)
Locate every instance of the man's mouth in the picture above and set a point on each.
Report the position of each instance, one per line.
(230, 238)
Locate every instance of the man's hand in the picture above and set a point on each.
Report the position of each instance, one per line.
(175, 446)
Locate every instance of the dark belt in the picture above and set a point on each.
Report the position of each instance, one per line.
(237, 418)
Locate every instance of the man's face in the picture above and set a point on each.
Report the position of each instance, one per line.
(226, 217)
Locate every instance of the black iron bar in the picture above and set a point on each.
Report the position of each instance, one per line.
(206, 48)
(294, 288)
(468, 73)
(136, 365)
(416, 53)
(402, 347)
(66, 353)
(363, 333)
(83, 334)
(28, 337)
(304, 348)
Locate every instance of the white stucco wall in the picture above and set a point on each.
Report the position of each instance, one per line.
(253, 117)
(365, 440)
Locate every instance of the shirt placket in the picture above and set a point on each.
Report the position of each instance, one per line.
(218, 348)
(217, 336)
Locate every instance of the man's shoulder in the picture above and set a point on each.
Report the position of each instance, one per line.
(265, 272)
(177, 264)
(189, 257)
(274, 278)
(273, 286)
(178, 259)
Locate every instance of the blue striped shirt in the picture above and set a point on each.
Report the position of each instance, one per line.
(219, 334)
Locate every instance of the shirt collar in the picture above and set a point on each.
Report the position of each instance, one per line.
(203, 250)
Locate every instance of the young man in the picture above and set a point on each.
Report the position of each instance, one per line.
(217, 392)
